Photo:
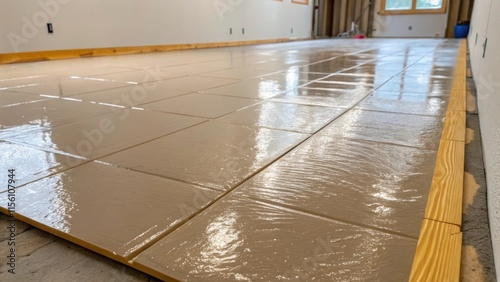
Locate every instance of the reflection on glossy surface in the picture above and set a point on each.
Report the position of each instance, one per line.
(418, 84)
(355, 79)
(238, 239)
(239, 73)
(30, 163)
(68, 86)
(135, 76)
(258, 88)
(8, 98)
(286, 116)
(195, 83)
(404, 102)
(212, 154)
(46, 114)
(339, 86)
(373, 184)
(113, 219)
(200, 105)
(401, 129)
(132, 95)
(295, 74)
(106, 134)
(369, 168)
(322, 97)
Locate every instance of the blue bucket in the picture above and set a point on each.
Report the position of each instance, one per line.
(461, 31)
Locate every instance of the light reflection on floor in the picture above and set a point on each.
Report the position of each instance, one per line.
(289, 162)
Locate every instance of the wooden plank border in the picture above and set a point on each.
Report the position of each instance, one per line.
(8, 58)
(438, 253)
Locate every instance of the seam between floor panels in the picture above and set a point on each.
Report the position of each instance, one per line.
(248, 176)
(134, 254)
(227, 192)
(330, 218)
(438, 253)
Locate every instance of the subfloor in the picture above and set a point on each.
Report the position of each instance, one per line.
(306, 161)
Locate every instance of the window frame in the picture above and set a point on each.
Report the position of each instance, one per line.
(413, 10)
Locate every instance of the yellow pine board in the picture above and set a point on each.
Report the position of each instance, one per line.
(445, 198)
(9, 58)
(438, 253)
(454, 126)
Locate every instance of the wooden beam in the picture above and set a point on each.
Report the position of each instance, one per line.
(8, 58)
(336, 17)
(464, 10)
(453, 14)
(438, 257)
(343, 15)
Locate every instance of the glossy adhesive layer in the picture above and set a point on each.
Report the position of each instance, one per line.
(196, 83)
(45, 115)
(212, 154)
(301, 161)
(258, 88)
(31, 163)
(364, 183)
(400, 129)
(293, 117)
(67, 86)
(239, 239)
(8, 98)
(322, 97)
(106, 134)
(200, 105)
(117, 219)
(131, 96)
(404, 102)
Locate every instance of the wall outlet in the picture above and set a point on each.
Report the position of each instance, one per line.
(410, 27)
(50, 29)
(243, 31)
(230, 30)
(291, 30)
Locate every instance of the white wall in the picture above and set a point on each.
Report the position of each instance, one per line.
(424, 25)
(118, 23)
(486, 71)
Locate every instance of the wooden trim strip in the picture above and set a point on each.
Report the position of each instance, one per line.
(438, 253)
(445, 198)
(9, 58)
(454, 128)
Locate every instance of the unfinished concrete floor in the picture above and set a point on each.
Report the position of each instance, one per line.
(282, 162)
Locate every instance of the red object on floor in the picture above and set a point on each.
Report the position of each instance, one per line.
(359, 36)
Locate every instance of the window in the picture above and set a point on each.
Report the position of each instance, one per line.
(395, 7)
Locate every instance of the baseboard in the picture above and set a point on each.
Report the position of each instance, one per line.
(9, 58)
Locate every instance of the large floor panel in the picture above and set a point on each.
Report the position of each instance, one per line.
(99, 136)
(239, 239)
(110, 210)
(212, 154)
(365, 183)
